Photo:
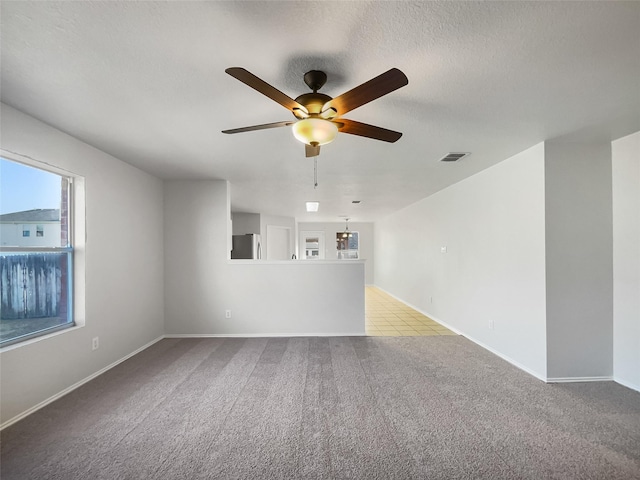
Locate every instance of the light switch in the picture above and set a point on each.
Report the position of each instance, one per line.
(443, 249)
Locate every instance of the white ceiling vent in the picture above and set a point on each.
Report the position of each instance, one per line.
(454, 156)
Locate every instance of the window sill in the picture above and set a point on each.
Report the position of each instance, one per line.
(39, 338)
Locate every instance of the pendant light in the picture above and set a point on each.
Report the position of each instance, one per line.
(346, 232)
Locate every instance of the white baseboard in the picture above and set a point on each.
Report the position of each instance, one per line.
(262, 335)
(477, 342)
(578, 379)
(508, 359)
(417, 309)
(624, 383)
(67, 390)
(515, 363)
(342, 334)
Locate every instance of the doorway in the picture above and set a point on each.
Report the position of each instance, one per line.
(312, 245)
(278, 243)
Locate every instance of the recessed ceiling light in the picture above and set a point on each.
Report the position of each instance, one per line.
(312, 206)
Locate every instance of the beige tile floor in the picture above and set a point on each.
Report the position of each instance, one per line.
(387, 317)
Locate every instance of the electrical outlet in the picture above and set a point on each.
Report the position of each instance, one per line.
(491, 324)
(430, 299)
(227, 314)
(443, 249)
(95, 343)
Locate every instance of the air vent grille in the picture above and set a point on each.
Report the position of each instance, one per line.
(454, 156)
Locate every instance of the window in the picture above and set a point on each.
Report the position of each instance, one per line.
(312, 249)
(347, 244)
(36, 274)
(311, 245)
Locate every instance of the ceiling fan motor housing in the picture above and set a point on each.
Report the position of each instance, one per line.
(313, 102)
(315, 79)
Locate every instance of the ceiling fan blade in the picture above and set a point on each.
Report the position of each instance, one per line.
(375, 88)
(311, 151)
(259, 127)
(263, 87)
(369, 131)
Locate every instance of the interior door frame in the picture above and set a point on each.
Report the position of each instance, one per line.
(268, 242)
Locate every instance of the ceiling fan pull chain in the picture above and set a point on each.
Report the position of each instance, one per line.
(315, 172)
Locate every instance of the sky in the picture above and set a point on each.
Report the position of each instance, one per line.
(26, 188)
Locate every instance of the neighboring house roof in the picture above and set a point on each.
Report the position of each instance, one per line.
(35, 215)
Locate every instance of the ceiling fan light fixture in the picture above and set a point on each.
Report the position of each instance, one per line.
(315, 131)
(320, 116)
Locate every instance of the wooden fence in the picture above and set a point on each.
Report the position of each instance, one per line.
(32, 285)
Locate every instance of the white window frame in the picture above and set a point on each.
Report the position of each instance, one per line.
(347, 253)
(75, 250)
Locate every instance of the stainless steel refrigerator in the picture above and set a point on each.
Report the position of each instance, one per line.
(246, 246)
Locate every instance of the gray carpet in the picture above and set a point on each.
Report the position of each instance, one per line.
(307, 408)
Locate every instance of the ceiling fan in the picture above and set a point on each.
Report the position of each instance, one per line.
(319, 117)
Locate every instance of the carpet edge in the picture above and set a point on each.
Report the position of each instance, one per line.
(76, 385)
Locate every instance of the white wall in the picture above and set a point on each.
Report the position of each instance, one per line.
(579, 268)
(277, 221)
(294, 298)
(123, 284)
(244, 223)
(626, 260)
(195, 264)
(265, 298)
(492, 225)
(330, 229)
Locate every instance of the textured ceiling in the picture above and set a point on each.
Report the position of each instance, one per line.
(145, 82)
